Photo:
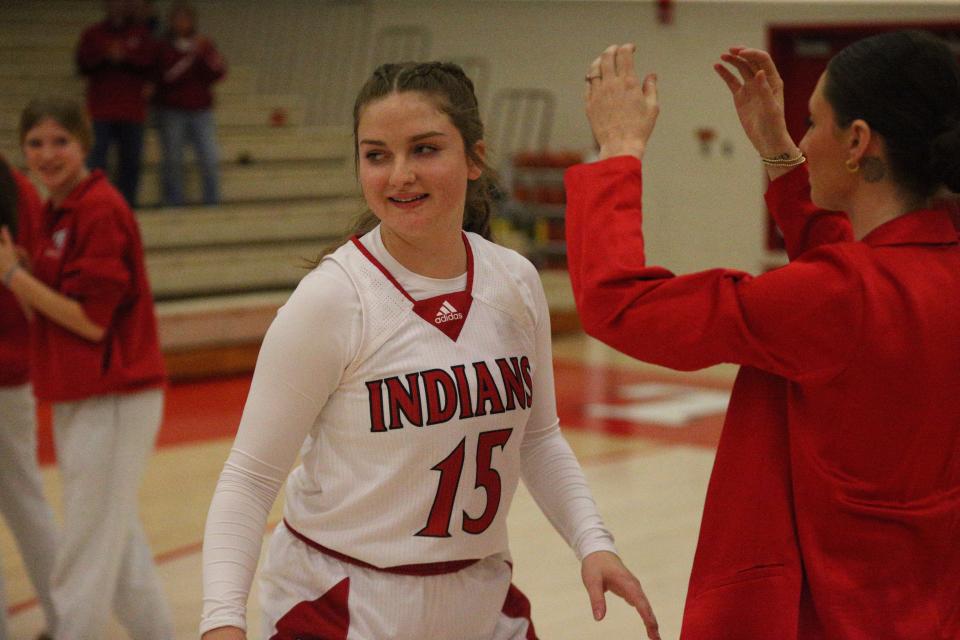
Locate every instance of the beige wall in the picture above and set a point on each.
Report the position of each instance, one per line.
(701, 211)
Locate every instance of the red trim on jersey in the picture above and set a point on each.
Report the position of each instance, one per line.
(446, 312)
(326, 618)
(423, 569)
(516, 605)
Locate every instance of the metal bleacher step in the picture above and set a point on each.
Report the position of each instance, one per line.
(30, 79)
(218, 320)
(79, 13)
(35, 32)
(266, 181)
(286, 144)
(268, 144)
(192, 272)
(33, 54)
(246, 223)
(205, 251)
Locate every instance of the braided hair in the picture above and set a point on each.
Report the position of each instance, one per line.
(455, 96)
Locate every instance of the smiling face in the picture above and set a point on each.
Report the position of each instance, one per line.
(413, 167)
(827, 148)
(55, 156)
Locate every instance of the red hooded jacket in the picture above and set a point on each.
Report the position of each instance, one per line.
(90, 250)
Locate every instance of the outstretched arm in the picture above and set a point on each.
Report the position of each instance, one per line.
(553, 475)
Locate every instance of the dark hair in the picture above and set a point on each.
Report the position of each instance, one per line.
(9, 198)
(66, 112)
(453, 90)
(906, 86)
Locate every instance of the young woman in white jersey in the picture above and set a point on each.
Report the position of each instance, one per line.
(412, 370)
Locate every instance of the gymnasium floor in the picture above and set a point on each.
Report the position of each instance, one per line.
(645, 436)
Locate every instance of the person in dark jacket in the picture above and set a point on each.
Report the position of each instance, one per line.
(189, 67)
(118, 57)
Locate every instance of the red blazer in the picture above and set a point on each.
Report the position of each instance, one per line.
(14, 337)
(116, 89)
(186, 77)
(91, 251)
(832, 507)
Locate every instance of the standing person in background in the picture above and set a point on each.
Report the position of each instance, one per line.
(95, 357)
(22, 501)
(832, 510)
(413, 368)
(189, 67)
(118, 56)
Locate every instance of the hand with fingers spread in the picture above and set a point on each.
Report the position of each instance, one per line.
(622, 110)
(603, 571)
(758, 98)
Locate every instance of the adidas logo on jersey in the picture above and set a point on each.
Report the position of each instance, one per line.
(447, 313)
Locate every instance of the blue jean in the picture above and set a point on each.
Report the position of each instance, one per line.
(178, 126)
(129, 138)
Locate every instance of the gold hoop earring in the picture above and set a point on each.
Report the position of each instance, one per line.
(852, 166)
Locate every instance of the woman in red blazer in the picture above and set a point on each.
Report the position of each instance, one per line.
(94, 355)
(832, 510)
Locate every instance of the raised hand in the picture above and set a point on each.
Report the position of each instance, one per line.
(622, 110)
(758, 98)
(603, 571)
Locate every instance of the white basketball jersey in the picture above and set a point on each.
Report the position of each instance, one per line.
(415, 457)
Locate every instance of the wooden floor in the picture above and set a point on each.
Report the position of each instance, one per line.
(645, 437)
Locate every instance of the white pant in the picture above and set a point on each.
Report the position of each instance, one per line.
(104, 560)
(22, 501)
(311, 594)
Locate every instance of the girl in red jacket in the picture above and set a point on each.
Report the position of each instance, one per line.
(832, 510)
(95, 356)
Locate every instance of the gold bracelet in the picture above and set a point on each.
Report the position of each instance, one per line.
(8, 276)
(784, 160)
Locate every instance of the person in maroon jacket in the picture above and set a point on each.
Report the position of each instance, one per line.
(22, 501)
(94, 354)
(189, 67)
(118, 56)
(832, 510)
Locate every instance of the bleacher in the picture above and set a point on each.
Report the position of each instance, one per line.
(218, 273)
